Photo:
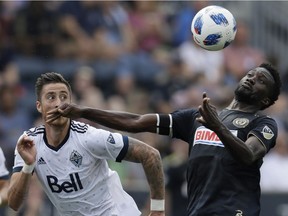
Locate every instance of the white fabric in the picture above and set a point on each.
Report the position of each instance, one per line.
(3, 169)
(81, 182)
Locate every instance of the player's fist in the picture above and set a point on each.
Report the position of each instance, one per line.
(26, 148)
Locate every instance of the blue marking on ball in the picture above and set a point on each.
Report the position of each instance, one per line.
(212, 39)
(219, 19)
(198, 25)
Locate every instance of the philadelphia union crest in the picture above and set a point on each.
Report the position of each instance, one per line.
(76, 158)
(241, 122)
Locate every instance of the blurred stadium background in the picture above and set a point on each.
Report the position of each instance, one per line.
(139, 57)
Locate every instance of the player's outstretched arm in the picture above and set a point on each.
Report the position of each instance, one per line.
(20, 181)
(123, 121)
(149, 157)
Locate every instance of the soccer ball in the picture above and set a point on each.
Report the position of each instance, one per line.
(213, 28)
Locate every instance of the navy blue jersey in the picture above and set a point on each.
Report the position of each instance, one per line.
(218, 185)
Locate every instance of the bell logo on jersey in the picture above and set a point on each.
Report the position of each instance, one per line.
(67, 186)
(204, 136)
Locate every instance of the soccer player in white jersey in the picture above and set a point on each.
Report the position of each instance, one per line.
(4, 180)
(70, 161)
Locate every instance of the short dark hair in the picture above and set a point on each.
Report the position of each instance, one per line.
(278, 84)
(47, 78)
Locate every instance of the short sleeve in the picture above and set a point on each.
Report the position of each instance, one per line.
(266, 131)
(18, 162)
(182, 123)
(104, 144)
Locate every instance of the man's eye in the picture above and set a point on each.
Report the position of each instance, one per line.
(63, 97)
(50, 97)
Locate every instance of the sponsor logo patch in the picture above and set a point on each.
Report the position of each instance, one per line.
(205, 136)
(71, 185)
(267, 133)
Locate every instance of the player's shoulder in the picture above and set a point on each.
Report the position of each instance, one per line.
(35, 131)
(263, 119)
(79, 127)
(263, 116)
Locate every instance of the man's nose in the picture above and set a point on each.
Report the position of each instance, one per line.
(252, 80)
(58, 102)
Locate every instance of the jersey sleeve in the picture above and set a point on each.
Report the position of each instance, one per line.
(18, 162)
(104, 144)
(183, 121)
(4, 173)
(266, 131)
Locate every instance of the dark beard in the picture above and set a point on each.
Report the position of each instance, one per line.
(244, 96)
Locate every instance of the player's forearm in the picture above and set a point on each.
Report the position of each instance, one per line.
(149, 157)
(235, 146)
(153, 169)
(18, 189)
(123, 121)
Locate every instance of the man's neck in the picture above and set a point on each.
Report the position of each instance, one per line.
(56, 134)
(236, 105)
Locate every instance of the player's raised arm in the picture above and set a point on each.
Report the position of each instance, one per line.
(149, 157)
(20, 180)
(123, 121)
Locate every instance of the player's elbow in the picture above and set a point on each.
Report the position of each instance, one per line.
(13, 205)
(248, 160)
(12, 202)
(155, 154)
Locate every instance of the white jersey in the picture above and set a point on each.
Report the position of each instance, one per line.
(76, 176)
(4, 173)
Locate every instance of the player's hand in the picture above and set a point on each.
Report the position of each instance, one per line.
(209, 116)
(157, 213)
(26, 148)
(65, 110)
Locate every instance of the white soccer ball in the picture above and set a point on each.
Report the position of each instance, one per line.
(213, 28)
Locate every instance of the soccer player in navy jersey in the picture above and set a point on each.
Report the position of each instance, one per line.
(226, 148)
(70, 161)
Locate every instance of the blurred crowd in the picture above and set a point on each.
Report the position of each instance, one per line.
(136, 56)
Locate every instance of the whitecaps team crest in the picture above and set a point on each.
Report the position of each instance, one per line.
(267, 133)
(241, 122)
(76, 158)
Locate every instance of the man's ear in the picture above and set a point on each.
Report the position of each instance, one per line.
(266, 101)
(38, 106)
